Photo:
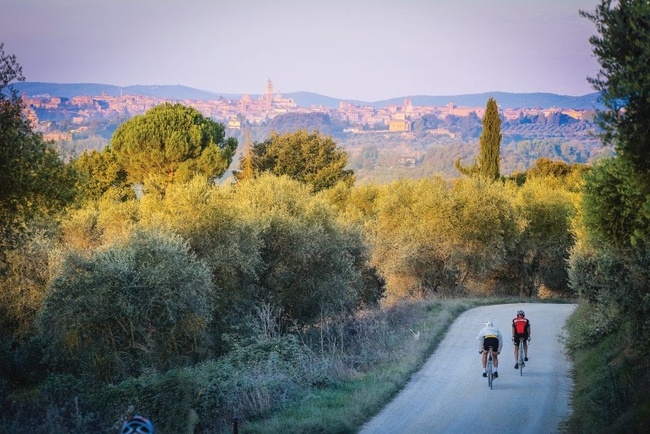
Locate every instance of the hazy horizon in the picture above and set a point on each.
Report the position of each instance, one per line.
(259, 94)
(351, 50)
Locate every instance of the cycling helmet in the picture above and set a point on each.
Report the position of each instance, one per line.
(488, 323)
(137, 425)
(521, 313)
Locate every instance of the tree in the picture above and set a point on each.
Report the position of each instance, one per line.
(118, 311)
(544, 208)
(544, 167)
(623, 50)
(310, 158)
(33, 178)
(172, 143)
(311, 261)
(409, 234)
(490, 146)
(97, 173)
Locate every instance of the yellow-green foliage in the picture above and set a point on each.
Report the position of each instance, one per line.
(137, 305)
(429, 236)
(545, 209)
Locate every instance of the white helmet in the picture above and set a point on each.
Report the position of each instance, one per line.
(488, 323)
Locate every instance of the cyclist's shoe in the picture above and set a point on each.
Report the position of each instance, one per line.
(525, 359)
(516, 365)
(485, 374)
(496, 375)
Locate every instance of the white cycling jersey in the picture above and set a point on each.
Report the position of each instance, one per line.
(488, 332)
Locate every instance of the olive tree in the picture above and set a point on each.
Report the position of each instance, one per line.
(409, 237)
(484, 228)
(545, 209)
(142, 304)
(311, 260)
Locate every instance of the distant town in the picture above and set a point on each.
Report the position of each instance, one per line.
(58, 117)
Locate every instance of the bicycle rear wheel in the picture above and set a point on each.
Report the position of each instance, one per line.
(490, 372)
(521, 358)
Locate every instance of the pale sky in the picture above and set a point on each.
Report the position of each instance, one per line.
(367, 50)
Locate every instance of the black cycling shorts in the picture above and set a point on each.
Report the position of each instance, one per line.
(518, 336)
(491, 342)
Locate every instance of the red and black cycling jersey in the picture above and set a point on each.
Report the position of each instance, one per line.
(521, 325)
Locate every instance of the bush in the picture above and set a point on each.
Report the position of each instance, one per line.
(145, 304)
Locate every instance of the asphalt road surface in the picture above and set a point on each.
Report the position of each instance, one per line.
(450, 395)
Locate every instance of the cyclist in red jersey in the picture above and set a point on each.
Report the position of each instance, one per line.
(520, 329)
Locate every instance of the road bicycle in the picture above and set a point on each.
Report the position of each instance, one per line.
(490, 369)
(521, 362)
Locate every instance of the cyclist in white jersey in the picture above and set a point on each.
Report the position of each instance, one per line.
(489, 336)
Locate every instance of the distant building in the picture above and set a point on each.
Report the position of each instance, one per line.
(235, 124)
(399, 125)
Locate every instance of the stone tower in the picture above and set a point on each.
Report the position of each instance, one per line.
(269, 94)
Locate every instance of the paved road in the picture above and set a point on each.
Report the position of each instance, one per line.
(449, 394)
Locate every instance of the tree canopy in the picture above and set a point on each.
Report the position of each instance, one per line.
(623, 50)
(172, 143)
(33, 178)
(99, 172)
(310, 158)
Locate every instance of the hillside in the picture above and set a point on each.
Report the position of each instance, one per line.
(308, 99)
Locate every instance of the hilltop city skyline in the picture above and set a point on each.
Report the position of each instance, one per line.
(48, 111)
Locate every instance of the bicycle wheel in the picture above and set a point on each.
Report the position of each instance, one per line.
(489, 370)
(521, 358)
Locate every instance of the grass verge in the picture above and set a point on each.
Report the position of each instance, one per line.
(611, 378)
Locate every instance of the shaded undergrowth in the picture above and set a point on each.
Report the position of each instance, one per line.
(611, 375)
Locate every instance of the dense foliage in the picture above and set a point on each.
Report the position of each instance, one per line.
(172, 143)
(311, 158)
(33, 179)
(610, 263)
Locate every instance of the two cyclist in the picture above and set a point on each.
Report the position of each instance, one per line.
(520, 330)
(489, 336)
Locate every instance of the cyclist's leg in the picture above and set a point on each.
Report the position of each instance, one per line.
(517, 337)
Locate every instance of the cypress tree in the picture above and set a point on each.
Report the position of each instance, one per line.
(490, 142)
(488, 162)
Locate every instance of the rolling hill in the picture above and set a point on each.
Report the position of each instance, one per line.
(308, 99)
